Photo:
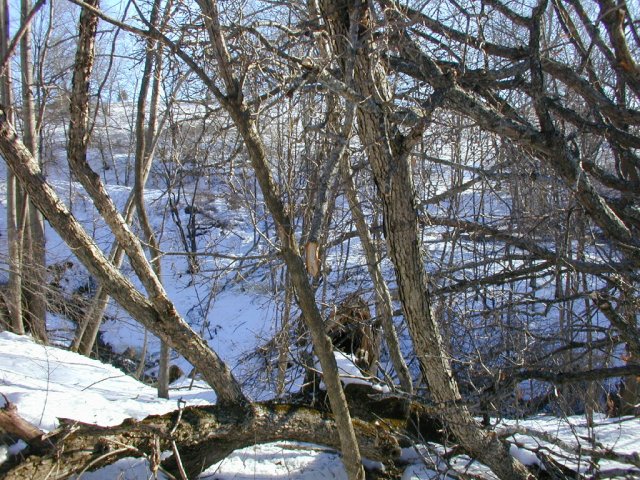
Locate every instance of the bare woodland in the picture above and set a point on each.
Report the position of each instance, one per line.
(484, 155)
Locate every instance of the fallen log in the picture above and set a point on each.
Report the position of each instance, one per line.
(13, 424)
(201, 435)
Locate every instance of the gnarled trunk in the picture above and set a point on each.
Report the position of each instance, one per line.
(388, 151)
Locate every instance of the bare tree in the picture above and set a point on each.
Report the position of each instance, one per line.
(33, 250)
(158, 314)
(145, 133)
(493, 144)
(240, 112)
(389, 152)
(13, 297)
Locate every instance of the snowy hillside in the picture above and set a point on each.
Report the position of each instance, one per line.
(47, 383)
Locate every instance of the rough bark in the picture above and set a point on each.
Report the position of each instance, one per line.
(613, 16)
(78, 138)
(160, 318)
(15, 241)
(389, 152)
(244, 120)
(202, 435)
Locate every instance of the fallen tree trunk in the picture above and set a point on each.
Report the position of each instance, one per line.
(202, 436)
(13, 424)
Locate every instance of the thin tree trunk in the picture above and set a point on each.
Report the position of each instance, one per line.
(234, 103)
(384, 308)
(283, 338)
(13, 297)
(33, 251)
(157, 313)
(305, 294)
(14, 234)
(144, 131)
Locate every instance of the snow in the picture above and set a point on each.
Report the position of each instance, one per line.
(573, 438)
(48, 383)
(234, 315)
(428, 462)
(279, 460)
(350, 373)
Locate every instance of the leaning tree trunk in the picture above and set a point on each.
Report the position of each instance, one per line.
(167, 324)
(87, 331)
(158, 314)
(244, 120)
(389, 154)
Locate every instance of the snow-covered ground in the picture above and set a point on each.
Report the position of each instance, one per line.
(47, 383)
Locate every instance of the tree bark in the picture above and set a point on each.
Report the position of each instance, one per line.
(389, 152)
(202, 435)
(87, 331)
(548, 143)
(15, 240)
(160, 317)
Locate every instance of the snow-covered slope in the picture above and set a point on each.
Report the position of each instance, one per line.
(47, 383)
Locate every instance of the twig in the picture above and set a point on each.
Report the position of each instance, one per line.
(105, 456)
(174, 447)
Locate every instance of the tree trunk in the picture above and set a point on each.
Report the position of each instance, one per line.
(78, 138)
(234, 103)
(158, 315)
(388, 152)
(13, 297)
(87, 331)
(305, 295)
(144, 131)
(202, 435)
(33, 251)
(15, 240)
(384, 310)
